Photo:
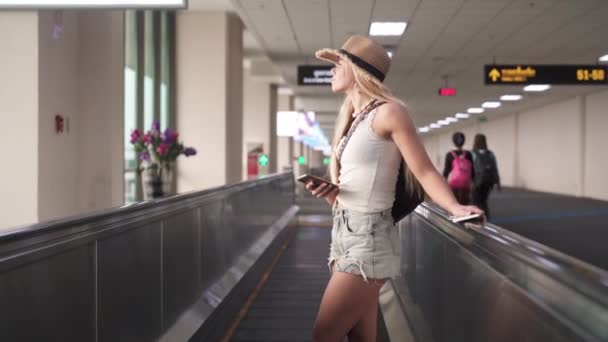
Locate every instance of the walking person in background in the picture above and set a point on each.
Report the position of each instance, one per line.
(458, 170)
(486, 173)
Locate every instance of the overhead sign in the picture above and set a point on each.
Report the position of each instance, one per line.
(314, 75)
(115, 4)
(545, 74)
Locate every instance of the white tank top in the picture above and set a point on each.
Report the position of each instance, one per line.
(368, 170)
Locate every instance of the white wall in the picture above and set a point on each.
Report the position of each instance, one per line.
(256, 115)
(58, 94)
(547, 137)
(101, 98)
(209, 98)
(283, 144)
(559, 148)
(19, 114)
(596, 141)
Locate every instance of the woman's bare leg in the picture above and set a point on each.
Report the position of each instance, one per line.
(347, 299)
(366, 329)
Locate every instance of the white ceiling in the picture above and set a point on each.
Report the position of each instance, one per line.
(444, 38)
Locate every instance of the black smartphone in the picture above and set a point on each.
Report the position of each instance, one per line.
(316, 181)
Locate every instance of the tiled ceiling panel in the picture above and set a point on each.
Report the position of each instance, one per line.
(461, 29)
(349, 17)
(444, 38)
(542, 27)
(425, 28)
(272, 24)
(394, 10)
(310, 20)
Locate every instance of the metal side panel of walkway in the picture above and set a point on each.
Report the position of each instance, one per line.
(286, 306)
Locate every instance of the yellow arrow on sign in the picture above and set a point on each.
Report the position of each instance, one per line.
(494, 74)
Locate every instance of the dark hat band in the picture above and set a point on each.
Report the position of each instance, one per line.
(364, 65)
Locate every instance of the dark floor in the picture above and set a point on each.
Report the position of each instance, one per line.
(572, 225)
(287, 305)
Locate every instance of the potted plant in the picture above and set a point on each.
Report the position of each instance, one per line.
(158, 153)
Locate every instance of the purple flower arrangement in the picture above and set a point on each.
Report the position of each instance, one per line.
(159, 148)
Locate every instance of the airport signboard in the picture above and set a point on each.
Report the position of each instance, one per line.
(314, 75)
(516, 74)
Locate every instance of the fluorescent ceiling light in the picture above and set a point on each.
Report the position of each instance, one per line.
(434, 125)
(387, 28)
(451, 119)
(14, 4)
(443, 122)
(537, 87)
(511, 98)
(462, 116)
(424, 129)
(490, 104)
(604, 58)
(475, 110)
(390, 54)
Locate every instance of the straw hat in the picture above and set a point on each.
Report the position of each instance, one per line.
(363, 52)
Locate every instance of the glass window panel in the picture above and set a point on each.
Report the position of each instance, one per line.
(164, 71)
(149, 69)
(130, 100)
(130, 187)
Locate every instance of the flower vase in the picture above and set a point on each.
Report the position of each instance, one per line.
(156, 182)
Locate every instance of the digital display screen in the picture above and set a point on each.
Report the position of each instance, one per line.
(314, 75)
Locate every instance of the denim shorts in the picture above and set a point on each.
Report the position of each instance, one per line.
(365, 244)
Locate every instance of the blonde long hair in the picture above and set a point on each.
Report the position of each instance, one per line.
(377, 91)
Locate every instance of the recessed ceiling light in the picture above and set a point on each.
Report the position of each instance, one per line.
(462, 116)
(475, 110)
(511, 97)
(451, 119)
(390, 54)
(379, 28)
(537, 87)
(490, 104)
(604, 58)
(424, 129)
(434, 125)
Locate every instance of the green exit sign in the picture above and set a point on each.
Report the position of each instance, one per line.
(263, 159)
(326, 161)
(301, 160)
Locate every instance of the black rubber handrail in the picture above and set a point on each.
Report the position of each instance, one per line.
(58, 224)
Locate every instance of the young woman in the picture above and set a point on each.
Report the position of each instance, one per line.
(486, 173)
(460, 178)
(365, 248)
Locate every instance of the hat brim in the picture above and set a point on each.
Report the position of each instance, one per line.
(329, 55)
(334, 56)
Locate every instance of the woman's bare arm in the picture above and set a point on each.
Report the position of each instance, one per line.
(394, 122)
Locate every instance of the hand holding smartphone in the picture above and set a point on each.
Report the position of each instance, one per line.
(327, 187)
(316, 181)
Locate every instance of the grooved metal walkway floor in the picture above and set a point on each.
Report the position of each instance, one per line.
(287, 305)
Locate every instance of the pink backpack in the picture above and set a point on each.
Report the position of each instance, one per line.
(460, 176)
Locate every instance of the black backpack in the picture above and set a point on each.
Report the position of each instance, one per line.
(485, 168)
(406, 200)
